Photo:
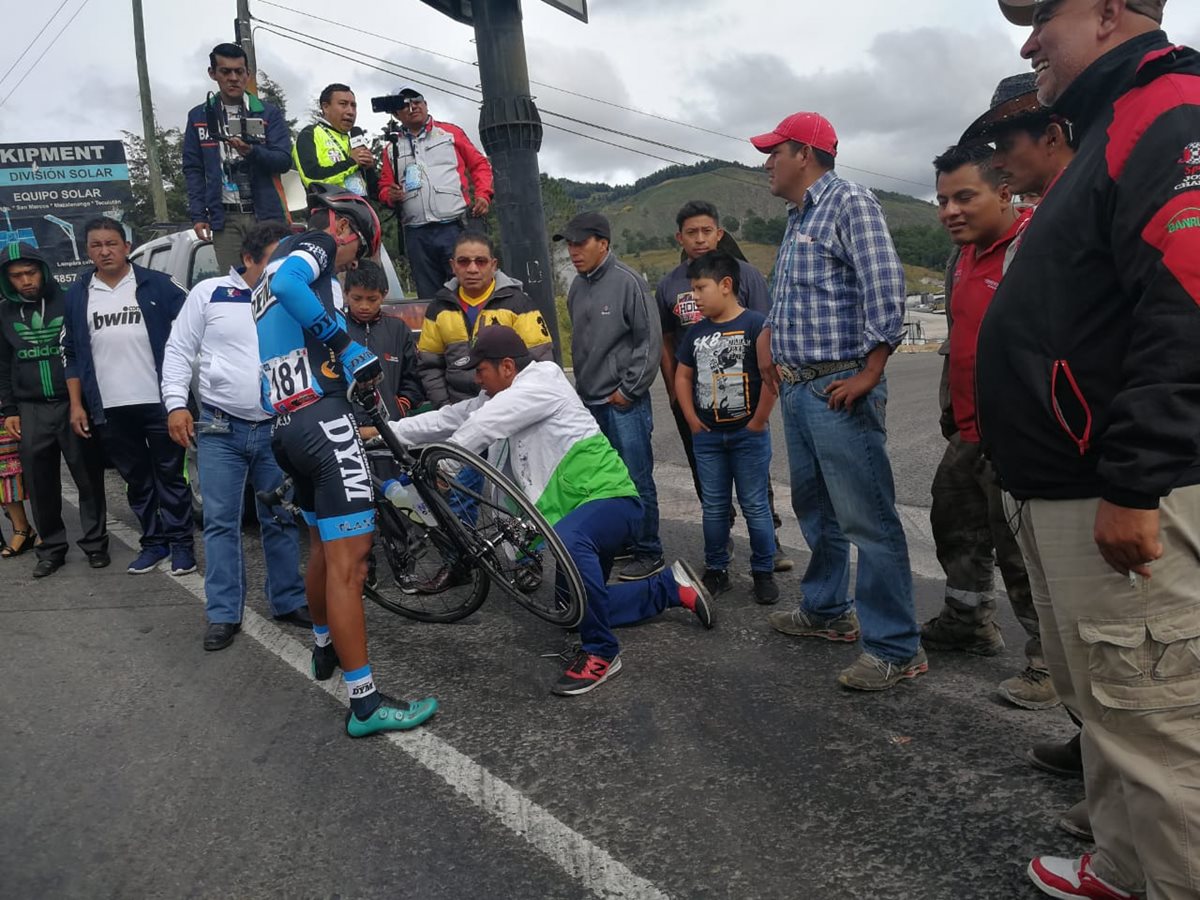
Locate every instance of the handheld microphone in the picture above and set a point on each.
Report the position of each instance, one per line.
(358, 138)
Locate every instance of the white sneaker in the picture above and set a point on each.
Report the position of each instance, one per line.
(1070, 878)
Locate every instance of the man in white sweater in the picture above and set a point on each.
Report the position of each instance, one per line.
(215, 332)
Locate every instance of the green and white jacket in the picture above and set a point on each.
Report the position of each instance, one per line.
(555, 451)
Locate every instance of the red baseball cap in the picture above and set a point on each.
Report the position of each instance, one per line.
(804, 128)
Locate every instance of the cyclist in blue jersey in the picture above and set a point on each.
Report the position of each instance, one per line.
(308, 361)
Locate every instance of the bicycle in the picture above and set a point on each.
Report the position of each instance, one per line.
(477, 529)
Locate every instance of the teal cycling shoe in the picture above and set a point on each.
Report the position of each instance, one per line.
(391, 715)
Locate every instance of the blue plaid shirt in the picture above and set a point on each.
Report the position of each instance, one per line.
(839, 286)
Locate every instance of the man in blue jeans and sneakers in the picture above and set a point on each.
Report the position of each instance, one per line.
(616, 348)
(566, 466)
(837, 314)
(233, 440)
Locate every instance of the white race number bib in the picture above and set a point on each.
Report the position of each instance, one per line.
(289, 381)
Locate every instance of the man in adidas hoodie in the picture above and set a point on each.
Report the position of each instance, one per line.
(36, 408)
(529, 414)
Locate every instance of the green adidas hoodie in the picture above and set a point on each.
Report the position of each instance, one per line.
(31, 360)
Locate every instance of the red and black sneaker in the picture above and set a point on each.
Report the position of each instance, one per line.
(1068, 878)
(585, 672)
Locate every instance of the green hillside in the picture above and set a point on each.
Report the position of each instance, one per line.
(738, 193)
(654, 264)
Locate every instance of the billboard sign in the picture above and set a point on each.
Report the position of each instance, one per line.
(49, 191)
(460, 10)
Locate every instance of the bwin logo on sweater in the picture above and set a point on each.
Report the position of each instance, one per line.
(130, 315)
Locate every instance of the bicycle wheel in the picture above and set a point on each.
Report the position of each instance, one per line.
(504, 531)
(410, 558)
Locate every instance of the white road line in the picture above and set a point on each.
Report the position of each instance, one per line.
(592, 866)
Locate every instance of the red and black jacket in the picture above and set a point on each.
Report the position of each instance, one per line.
(1088, 367)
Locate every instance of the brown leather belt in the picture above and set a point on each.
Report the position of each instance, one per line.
(806, 373)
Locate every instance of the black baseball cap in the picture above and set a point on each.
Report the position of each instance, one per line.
(583, 226)
(410, 94)
(496, 342)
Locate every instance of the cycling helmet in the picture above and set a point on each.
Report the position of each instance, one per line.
(355, 210)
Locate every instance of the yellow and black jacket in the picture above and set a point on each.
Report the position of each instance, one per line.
(444, 344)
(322, 153)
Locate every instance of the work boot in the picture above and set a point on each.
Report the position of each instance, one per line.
(1057, 759)
(947, 632)
(1077, 823)
(1032, 689)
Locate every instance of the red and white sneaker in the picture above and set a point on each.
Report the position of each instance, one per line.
(1068, 878)
(584, 673)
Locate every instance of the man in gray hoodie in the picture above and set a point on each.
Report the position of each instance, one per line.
(616, 345)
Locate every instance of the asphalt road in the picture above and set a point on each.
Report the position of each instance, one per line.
(723, 764)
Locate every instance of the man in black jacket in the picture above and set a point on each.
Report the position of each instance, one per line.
(36, 408)
(1088, 379)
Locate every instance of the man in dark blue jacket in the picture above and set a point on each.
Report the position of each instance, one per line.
(235, 147)
(118, 319)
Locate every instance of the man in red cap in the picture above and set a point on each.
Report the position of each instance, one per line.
(1088, 390)
(837, 313)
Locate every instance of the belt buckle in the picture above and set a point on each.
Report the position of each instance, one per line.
(786, 373)
(808, 373)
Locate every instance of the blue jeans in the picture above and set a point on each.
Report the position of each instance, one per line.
(225, 462)
(843, 494)
(593, 534)
(629, 431)
(725, 458)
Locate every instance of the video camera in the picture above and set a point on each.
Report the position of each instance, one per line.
(390, 103)
(251, 129)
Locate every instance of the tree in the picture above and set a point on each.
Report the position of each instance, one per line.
(270, 92)
(731, 224)
(922, 245)
(141, 217)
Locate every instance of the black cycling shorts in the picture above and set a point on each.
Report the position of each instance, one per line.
(319, 447)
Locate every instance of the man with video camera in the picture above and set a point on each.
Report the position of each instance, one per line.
(235, 147)
(430, 170)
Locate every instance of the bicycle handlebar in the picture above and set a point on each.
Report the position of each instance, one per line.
(373, 404)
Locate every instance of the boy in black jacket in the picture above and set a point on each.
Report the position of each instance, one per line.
(36, 408)
(387, 337)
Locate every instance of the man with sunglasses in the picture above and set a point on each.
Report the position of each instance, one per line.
(478, 295)
(233, 181)
(308, 361)
(430, 172)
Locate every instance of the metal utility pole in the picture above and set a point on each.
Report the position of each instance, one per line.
(157, 194)
(244, 37)
(511, 132)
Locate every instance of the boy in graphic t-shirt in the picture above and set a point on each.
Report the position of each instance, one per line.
(720, 394)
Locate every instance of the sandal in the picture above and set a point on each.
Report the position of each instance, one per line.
(12, 550)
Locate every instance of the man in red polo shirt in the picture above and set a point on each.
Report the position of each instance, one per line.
(969, 527)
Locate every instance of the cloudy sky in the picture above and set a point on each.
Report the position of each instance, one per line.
(899, 80)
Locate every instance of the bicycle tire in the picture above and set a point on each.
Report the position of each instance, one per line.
(509, 537)
(401, 559)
